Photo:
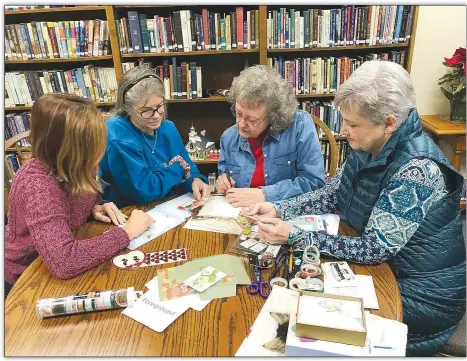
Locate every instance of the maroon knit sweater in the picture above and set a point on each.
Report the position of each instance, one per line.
(41, 217)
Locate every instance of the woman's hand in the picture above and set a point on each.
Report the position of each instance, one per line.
(108, 212)
(224, 182)
(274, 230)
(244, 197)
(138, 223)
(263, 209)
(200, 189)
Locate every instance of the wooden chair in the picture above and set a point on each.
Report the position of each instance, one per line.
(23, 154)
(332, 144)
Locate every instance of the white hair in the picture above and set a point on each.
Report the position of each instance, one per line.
(377, 89)
(261, 84)
(140, 91)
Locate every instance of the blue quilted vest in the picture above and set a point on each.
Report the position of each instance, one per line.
(430, 268)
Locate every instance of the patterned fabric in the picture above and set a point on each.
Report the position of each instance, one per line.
(396, 216)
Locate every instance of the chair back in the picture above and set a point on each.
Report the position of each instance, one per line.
(332, 144)
(23, 154)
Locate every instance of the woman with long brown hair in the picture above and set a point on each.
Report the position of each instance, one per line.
(57, 190)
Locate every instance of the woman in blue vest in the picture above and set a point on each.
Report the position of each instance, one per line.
(400, 193)
(273, 151)
(145, 158)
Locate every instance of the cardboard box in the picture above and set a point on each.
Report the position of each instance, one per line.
(349, 337)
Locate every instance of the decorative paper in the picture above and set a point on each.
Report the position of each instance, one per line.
(207, 277)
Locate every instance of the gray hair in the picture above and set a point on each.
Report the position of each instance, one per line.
(142, 90)
(377, 89)
(261, 84)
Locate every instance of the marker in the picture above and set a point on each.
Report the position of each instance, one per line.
(290, 260)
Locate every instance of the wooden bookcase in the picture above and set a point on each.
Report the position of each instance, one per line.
(219, 67)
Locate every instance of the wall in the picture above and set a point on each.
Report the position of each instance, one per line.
(440, 31)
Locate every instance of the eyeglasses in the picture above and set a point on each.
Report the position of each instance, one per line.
(148, 114)
(250, 122)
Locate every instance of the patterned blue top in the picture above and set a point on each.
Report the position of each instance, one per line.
(396, 216)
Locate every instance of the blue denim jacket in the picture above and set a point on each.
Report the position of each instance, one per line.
(293, 162)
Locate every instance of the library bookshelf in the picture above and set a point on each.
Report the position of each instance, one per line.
(219, 67)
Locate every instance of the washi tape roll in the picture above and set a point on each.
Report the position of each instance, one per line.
(314, 284)
(309, 270)
(267, 260)
(279, 281)
(296, 284)
(311, 255)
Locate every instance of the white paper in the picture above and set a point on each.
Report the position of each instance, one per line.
(330, 312)
(219, 207)
(305, 222)
(281, 300)
(219, 225)
(364, 289)
(193, 298)
(380, 332)
(332, 281)
(167, 216)
(156, 314)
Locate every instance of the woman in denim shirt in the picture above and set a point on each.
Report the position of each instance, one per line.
(273, 151)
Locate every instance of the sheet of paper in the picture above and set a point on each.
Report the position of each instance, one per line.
(167, 216)
(281, 300)
(364, 289)
(328, 222)
(380, 332)
(219, 207)
(219, 225)
(153, 313)
(195, 301)
(204, 279)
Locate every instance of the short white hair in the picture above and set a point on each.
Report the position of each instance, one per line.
(375, 90)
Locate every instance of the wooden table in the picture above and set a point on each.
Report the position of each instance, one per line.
(445, 128)
(218, 330)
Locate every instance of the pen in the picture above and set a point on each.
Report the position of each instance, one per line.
(290, 260)
(384, 347)
(230, 179)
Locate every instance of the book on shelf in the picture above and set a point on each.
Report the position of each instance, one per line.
(323, 75)
(22, 88)
(186, 31)
(16, 123)
(343, 26)
(31, 7)
(12, 165)
(53, 40)
(180, 82)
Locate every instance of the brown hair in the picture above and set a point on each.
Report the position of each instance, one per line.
(68, 134)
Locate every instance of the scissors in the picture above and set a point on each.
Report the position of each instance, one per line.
(259, 286)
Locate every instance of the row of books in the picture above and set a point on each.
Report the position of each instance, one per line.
(326, 111)
(13, 163)
(30, 7)
(24, 87)
(17, 123)
(61, 39)
(180, 82)
(186, 31)
(326, 74)
(343, 150)
(348, 25)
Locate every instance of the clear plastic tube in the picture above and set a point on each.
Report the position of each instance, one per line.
(87, 302)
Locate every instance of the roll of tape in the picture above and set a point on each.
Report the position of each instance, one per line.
(310, 270)
(278, 281)
(311, 255)
(267, 260)
(296, 284)
(314, 284)
(299, 275)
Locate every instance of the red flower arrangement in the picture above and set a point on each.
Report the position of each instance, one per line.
(455, 79)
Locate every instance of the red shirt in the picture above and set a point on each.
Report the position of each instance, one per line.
(256, 145)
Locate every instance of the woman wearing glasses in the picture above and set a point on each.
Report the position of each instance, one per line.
(272, 152)
(145, 157)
